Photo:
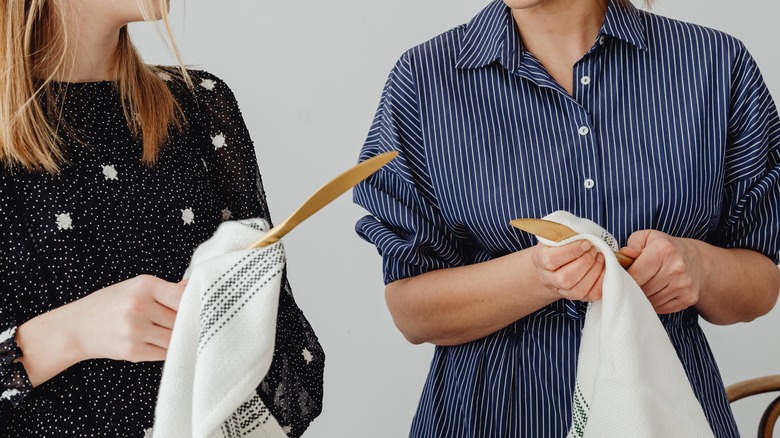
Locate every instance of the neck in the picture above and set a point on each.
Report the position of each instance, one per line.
(89, 44)
(563, 26)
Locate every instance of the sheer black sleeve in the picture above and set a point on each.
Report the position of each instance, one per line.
(293, 387)
(14, 384)
(233, 160)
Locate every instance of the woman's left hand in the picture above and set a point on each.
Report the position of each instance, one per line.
(666, 268)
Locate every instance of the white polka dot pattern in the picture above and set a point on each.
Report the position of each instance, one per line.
(106, 218)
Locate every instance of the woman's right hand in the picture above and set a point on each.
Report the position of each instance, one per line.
(131, 320)
(574, 271)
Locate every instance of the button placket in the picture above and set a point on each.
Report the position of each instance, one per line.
(583, 80)
(584, 131)
(589, 172)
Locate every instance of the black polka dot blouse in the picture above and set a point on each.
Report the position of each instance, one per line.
(105, 218)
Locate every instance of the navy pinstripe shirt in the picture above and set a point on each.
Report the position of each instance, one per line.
(670, 127)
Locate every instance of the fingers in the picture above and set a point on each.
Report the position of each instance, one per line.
(631, 252)
(553, 258)
(573, 271)
(675, 297)
(148, 353)
(646, 267)
(658, 284)
(671, 306)
(157, 299)
(158, 336)
(662, 270)
(593, 282)
(568, 276)
(638, 240)
(596, 292)
(661, 297)
(657, 256)
(169, 294)
(162, 316)
(588, 288)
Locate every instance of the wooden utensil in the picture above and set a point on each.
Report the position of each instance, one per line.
(558, 232)
(324, 195)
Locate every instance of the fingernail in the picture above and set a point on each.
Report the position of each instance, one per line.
(585, 245)
(600, 257)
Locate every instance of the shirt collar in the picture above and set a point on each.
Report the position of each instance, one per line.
(626, 24)
(492, 35)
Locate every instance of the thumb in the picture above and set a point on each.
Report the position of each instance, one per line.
(630, 252)
(638, 241)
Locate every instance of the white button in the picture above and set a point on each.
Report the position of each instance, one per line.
(589, 183)
(601, 40)
(583, 130)
(585, 80)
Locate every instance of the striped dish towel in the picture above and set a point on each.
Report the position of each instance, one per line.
(630, 382)
(223, 340)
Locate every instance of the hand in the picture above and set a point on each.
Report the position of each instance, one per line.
(665, 269)
(574, 271)
(131, 320)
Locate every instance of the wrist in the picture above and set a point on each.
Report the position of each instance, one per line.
(529, 280)
(69, 317)
(698, 258)
(49, 345)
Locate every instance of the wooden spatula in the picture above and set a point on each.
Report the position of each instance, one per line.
(557, 232)
(324, 195)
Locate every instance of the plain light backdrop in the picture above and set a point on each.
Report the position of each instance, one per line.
(308, 76)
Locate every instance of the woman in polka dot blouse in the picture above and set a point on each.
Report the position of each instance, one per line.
(112, 173)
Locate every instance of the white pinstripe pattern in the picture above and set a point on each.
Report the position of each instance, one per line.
(683, 137)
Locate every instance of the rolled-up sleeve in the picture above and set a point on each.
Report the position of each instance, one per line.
(405, 224)
(751, 203)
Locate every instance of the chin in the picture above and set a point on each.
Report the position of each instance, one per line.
(523, 4)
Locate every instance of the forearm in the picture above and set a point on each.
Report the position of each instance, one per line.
(458, 305)
(131, 320)
(48, 345)
(738, 285)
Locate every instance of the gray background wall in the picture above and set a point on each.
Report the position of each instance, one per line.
(308, 77)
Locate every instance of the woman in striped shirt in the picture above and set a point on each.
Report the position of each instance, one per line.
(662, 132)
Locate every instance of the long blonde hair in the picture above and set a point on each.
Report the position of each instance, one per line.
(29, 113)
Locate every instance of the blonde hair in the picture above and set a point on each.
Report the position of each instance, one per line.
(30, 118)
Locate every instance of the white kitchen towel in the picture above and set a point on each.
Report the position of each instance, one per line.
(223, 339)
(630, 382)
